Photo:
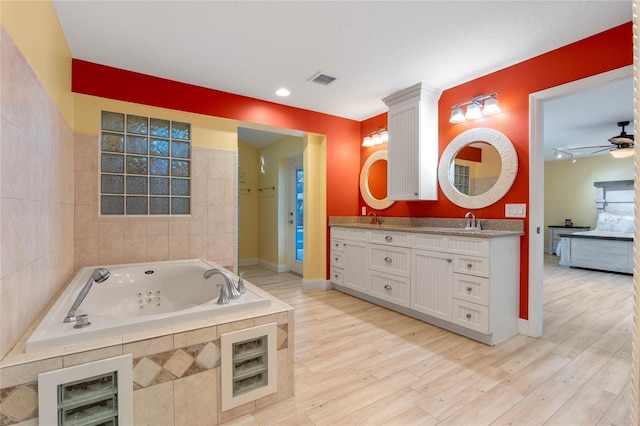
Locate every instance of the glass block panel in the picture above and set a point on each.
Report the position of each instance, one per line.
(136, 165)
(179, 168)
(136, 124)
(112, 184)
(180, 186)
(159, 186)
(179, 205)
(159, 166)
(180, 149)
(136, 205)
(180, 130)
(112, 142)
(137, 145)
(111, 163)
(112, 121)
(111, 204)
(159, 127)
(159, 205)
(136, 185)
(159, 147)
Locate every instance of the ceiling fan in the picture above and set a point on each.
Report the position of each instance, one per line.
(621, 146)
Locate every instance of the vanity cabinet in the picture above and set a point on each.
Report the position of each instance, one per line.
(468, 285)
(413, 144)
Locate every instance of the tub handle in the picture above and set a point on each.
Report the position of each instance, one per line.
(223, 299)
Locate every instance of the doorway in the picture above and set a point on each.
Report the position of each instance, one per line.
(534, 325)
(263, 207)
(295, 223)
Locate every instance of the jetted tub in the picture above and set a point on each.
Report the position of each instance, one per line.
(138, 297)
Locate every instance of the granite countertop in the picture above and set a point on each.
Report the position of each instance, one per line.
(491, 228)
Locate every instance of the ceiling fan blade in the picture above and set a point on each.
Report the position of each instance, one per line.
(590, 147)
(601, 150)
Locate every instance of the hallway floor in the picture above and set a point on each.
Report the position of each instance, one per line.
(357, 363)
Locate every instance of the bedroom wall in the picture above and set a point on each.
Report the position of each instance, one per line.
(569, 190)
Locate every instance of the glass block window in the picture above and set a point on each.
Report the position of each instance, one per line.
(145, 165)
(461, 179)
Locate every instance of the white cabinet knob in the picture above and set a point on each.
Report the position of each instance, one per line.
(388, 287)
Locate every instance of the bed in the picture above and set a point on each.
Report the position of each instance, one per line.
(609, 247)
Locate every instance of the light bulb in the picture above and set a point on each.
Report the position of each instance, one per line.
(367, 142)
(457, 115)
(473, 111)
(491, 106)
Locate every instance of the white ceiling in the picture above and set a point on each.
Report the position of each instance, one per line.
(373, 48)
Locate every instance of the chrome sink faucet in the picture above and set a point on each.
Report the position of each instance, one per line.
(472, 223)
(233, 291)
(375, 220)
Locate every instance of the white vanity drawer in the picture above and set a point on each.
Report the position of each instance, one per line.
(471, 288)
(337, 259)
(337, 244)
(471, 315)
(435, 242)
(393, 260)
(337, 276)
(471, 265)
(341, 233)
(391, 238)
(469, 245)
(392, 288)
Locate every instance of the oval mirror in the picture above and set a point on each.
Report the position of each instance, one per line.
(477, 168)
(373, 181)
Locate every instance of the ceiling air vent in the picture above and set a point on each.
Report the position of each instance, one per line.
(323, 79)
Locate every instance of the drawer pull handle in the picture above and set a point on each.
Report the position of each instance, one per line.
(336, 276)
(468, 316)
(449, 260)
(388, 287)
(469, 289)
(387, 259)
(469, 265)
(336, 259)
(388, 238)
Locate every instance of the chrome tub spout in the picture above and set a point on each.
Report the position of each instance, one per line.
(233, 291)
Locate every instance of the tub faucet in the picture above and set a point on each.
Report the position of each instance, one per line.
(99, 275)
(233, 291)
(223, 299)
(472, 223)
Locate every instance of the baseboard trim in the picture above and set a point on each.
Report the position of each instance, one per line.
(316, 284)
(273, 266)
(247, 262)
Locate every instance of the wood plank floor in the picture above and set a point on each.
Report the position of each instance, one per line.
(360, 364)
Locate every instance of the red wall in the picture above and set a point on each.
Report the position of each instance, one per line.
(343, 136)
(603, 52)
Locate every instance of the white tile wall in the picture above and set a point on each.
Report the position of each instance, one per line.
(36, 196)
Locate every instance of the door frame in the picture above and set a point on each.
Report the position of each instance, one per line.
(534, 325)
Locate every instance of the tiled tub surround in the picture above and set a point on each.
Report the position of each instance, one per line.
(138, 297)
(208, 233)
(36, 196)
(174, 369)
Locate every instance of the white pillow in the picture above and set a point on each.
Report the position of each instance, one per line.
(614, 223)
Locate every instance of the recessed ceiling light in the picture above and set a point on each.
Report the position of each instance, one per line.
(282, 92)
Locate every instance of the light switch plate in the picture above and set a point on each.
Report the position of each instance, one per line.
(515, 210)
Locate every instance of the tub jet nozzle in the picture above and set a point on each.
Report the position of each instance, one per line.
(99, 275)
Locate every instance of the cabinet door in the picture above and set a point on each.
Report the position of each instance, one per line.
(356, 260)
(431, 283)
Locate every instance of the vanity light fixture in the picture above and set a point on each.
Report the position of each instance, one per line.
(476, 108)
(376, 138)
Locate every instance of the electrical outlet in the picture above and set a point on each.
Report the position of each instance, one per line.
(515, 210)
(364, 211)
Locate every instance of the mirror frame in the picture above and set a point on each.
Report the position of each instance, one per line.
(373, 202)
(508, 171)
